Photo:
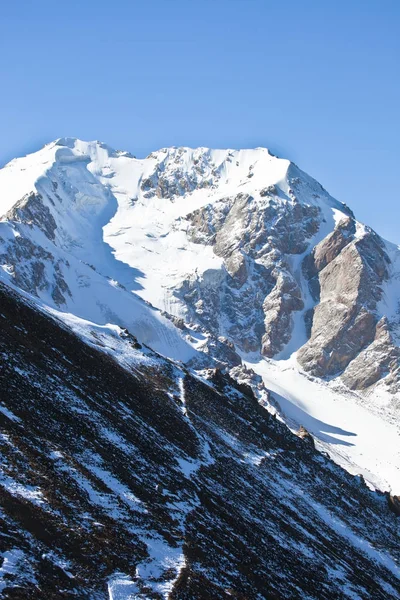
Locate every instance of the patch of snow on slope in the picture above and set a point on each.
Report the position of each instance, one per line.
(121, 587)
(152, 573)
(158, 572)
(12, 563)
(19, 176)
(29, 492)
(163, 558)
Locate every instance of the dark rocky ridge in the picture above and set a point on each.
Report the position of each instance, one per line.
(96, 460)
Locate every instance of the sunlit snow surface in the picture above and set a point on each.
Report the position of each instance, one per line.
(125, 250)
(356, 438)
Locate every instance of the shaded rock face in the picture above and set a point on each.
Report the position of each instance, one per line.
(349, 287)
(394, 504)
(31, 210)
(171, 178)
(278, 307)
(379, 360)
(34, 269)
(148, 479)
(258, 293)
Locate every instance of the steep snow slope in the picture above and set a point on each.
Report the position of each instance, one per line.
(53, 246)
(236, 245)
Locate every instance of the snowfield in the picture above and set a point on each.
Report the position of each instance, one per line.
(360, 441)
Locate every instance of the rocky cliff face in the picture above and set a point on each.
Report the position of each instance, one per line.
(124, 475)
(253, 236)
(346, 276)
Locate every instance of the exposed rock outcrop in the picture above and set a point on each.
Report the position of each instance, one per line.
(379, 360)
(278, 307)
(170, 176)
(344, 320)
(254, 236)
(305, 435)
(32, 211)
(34, 269)
(218, 350)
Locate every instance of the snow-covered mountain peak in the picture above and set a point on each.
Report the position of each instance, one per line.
(269, 297)
(169, 173)
(242, 250)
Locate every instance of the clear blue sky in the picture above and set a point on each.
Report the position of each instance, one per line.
(317, 81)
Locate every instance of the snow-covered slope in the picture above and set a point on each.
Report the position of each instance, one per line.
(207, 254)
(53, 247)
